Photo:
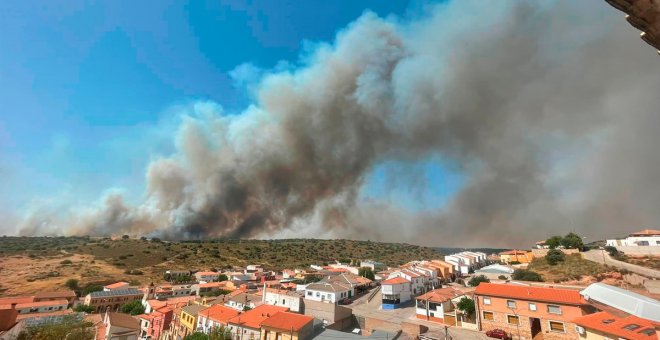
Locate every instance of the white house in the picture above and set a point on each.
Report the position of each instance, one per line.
(214, 317)
(207, 276)
(328, 292)
(433, 305)
(643, 238)
(248, 325)
(284, 298)
(244, 301)
(418, 281)
(41, 306)
(395, 292)
(375, 266)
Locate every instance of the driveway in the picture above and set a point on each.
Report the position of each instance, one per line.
(601, 256)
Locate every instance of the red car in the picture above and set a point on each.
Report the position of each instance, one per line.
(497, 333)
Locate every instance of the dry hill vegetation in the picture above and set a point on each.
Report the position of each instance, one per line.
(29, 264)
(573, 268)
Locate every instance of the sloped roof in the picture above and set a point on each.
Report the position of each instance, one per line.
(116, 285)
(193, 309)
(513, 252)
(57, 294)
(219, 313)
(556, 295)
(395, 280)
(646, 232)
(118, 292)
(440, 295)
(123, 320)
(254, 317)
(495, 268)
(42, 303)
(610, 324)
(623, 300)
(288, 321)
(327, 287)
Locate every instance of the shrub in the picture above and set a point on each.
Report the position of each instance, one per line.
(66, 262)
(502, 277)
(71, 284)
(526, 275)
(84, 309)
(555, 256)
(125, 237)
(476, 280)
(133, 308)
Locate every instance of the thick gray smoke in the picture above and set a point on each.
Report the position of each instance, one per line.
(550, 110)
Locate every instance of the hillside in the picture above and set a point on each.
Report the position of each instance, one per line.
(29, 264)
(573, 268)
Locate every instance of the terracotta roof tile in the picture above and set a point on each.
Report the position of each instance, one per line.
(395, 280)
(116, 285)
(219, 313)
(440, 295)
(288, 321)
(41, 304)
(556, 295)
(254, 317)
(608, 323)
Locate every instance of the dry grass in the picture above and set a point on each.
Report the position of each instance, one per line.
(574, 267)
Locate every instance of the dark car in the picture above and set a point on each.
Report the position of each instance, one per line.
(345, 301)
(497, 333)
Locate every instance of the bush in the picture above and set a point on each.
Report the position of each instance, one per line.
(133, 272)
(71, 284)
(476, 280)
(84, 309)
(66, 262)
(526, 275)
(133, 308)
(502, 277)
(555, 256)
(612, 251)
(92, 288)
(125, 237)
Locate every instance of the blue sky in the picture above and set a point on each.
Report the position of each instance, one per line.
(89, 91)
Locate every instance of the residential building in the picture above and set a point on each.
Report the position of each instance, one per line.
(495, 271)
(68, 295)
(285, 298)
(116, 286)
(174, 302)
(287, 326)
(243, 301)
(419, 283)
(112, 300)
(247, 325)
(436, 305)
(395, 292)
(606, 326)
(42, 306)
(207, 276)
(188, 319)
(519, 256)
(328, 292)
(120, 326)
(460, 262)
(209, 287)
(617, 300)
(156, 323)
(374, 265)
(525, 311)
(642, 238)
(214, 317)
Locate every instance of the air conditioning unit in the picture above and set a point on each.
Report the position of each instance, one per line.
(580, 330)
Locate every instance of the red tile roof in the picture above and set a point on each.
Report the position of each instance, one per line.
(219, 313)
(646, 232)
(16, 300)
(440, 295)
(116, 285)
(610, 324)
(395, 281)
(212, 284)
(556, 295)
(41, 304)
(254, 317)
(288, 321)
(513, 252)
(207, 273)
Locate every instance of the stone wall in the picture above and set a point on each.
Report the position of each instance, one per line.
(543, 252)
(640, 250)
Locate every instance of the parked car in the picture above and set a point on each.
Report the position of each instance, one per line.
(345, 301)
(497, 333)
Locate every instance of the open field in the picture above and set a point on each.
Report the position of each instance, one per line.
(573, 268)
(31, 264)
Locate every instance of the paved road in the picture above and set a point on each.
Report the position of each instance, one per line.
(603, 257)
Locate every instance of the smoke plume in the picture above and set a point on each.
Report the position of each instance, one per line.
(549, 109)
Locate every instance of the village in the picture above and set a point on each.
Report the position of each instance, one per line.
(465, 295)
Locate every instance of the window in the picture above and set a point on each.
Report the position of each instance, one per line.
(513, 319)
(532, 307)
(318, 294)
(486, 301)
(283, 301)
(552, 309)
(648, 331)
(488, 316)
(632, 327)
(556, 326)
(511, 304)
(309, 293)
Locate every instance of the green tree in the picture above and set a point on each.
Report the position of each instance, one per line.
(554, 256)
(125, 237)
(367, 272)
(84, 309)
(572, 241)
(196, 336)
(466, 305)
(220, 333)
(477, 279)
(502, 277)
(612, 251)
(71, 284)
(133, 308)
(526, 275)
(91, 288)
(70, 327)
(223, 277)
(554, 242)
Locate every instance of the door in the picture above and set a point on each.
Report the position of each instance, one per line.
(536, 326)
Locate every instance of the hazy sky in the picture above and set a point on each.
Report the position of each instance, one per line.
(466, 122)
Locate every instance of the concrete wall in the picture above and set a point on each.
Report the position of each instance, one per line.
(543, 252)
(640, 250)
(327, 311)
